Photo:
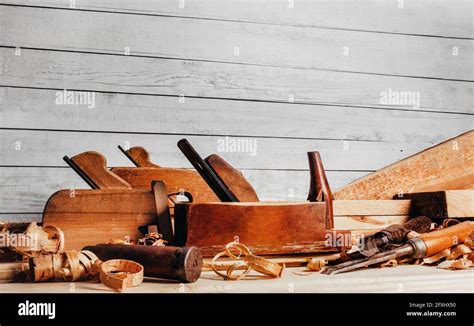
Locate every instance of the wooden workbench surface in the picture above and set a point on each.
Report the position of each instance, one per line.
(400, 279)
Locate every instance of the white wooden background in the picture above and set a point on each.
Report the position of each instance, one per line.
(286, 49)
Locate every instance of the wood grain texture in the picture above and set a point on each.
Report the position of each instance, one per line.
(36, 109)
(386, 17)
(367, 222)
(195, 39)
(443, 204)
(89, 217)
(232, 178)
(446, 166)
(141, 156)
(415, 279)
(445, 238)
(372, 207)
(267, 228)
(94, 165)
(127, 74)
(174, 179)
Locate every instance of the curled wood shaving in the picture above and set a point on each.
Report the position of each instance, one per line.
(152, 239)
(67, 266)
(461, 263)
(458, 251)
(124, 241)
(449, 222)
(389, 263)
(36, 239)
(118, 274)
(316, 264)
(245, 261)
(44, 259)
(437, 257)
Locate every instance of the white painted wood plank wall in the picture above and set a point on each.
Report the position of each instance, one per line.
(293, 76)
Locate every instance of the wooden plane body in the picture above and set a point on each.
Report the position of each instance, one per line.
(265, 227)
(92, 216)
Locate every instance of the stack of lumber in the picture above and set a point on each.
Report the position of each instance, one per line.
(370, 214)
(435, 183)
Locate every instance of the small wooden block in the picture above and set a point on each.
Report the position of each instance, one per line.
(443, 204)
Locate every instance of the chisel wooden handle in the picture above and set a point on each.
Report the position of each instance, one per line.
(445, 238)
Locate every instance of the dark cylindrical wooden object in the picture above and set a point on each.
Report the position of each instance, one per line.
(177, 263)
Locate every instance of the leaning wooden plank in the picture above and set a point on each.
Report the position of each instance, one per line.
(158, 76)
(367, 222)
(438, 16)
(443, 204)
(446, 166)
(255, 42)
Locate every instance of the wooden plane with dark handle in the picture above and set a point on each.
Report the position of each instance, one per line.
(264, 226)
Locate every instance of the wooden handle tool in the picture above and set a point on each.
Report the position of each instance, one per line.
(425, 245)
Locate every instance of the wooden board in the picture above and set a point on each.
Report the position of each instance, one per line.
(367, 222)
(443, 204)
(369, 215)
(133, 113)
(372, 207)
(387, 17)
(447, 166)
(176, 37)
(156, 76)
(405, 278)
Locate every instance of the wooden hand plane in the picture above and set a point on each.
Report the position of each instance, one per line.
(266, 227)
(114, 210)
(145, 171)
